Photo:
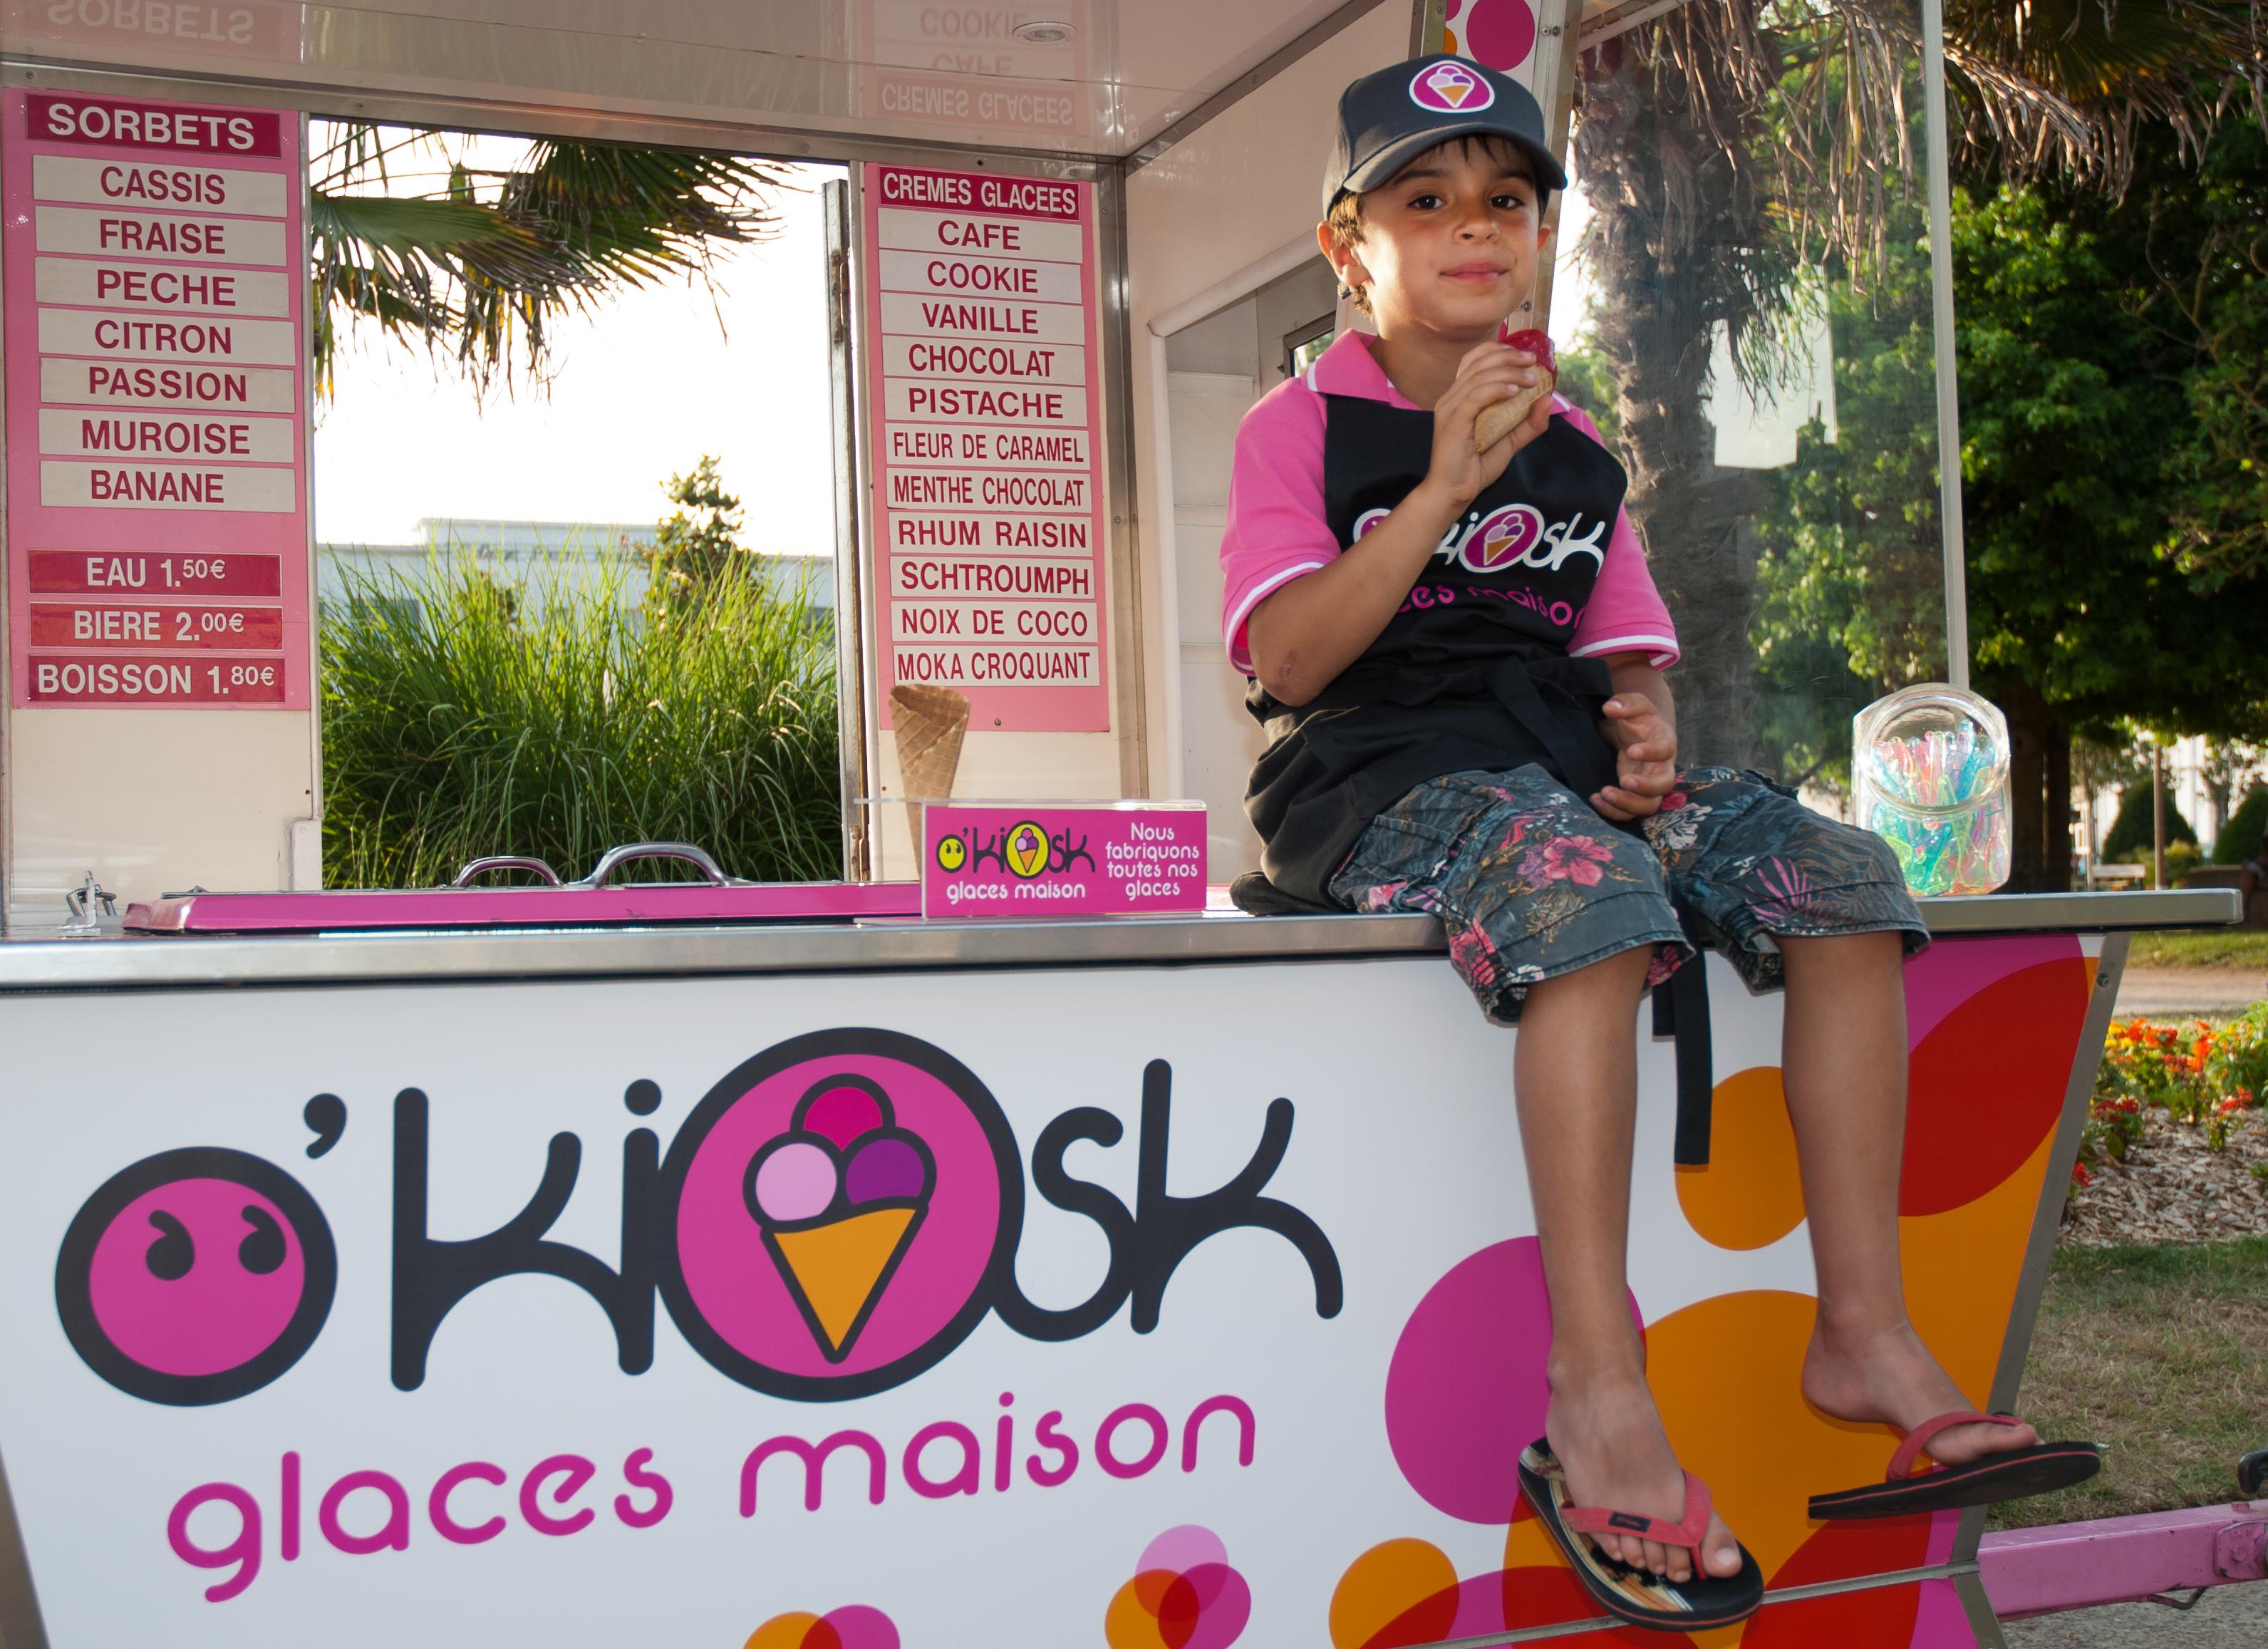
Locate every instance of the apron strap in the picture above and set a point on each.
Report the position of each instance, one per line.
(1582, 761)
(1680, 1009)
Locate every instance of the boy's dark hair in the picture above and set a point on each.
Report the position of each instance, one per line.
(1345, 219)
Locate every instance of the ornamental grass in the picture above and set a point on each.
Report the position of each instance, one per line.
(555, 717)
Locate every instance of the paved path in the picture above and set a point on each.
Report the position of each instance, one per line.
(2168, 992)
(2226, 1617)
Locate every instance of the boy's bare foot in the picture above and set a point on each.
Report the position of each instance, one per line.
(1608, 1439)
(1885, 1372)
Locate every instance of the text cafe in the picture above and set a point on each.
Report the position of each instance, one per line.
(624, 756)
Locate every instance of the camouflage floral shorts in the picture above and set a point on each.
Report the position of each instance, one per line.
(1531, 882)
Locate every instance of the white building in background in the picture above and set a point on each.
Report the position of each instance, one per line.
(569, 555)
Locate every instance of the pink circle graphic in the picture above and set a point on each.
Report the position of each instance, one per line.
(1502, 538)
(195, 1276)
(1185, 1583)
(849, 1296)
(796, 1182)
(1450, 88)
(1466, 1390)
(1498, 32)
(215, 1312)
(858, 1626)
(842, 1114)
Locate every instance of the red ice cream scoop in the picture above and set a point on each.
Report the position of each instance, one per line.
(1501, 418)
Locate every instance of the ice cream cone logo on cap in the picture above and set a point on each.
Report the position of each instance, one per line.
(1026, 851)
(1449, 88)
(839, 1197)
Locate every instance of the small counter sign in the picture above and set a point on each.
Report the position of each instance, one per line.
(984, 400)
(157, 443)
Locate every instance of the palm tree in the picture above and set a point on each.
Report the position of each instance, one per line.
(1728, 146)
(476, 262)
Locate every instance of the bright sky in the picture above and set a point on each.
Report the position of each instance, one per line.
(642, 389)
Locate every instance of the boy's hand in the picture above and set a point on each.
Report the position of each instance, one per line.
(1645, 759)
(1490, 373)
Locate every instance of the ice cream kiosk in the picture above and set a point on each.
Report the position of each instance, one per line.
(599, 1260)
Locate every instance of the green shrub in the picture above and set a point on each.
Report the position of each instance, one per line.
(2129, 839)
(2239, 838)
(462, 717)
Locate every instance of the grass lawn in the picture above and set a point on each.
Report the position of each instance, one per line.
(2159, 1354)
(2201, 947)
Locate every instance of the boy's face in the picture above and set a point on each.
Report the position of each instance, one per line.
(1449, 243)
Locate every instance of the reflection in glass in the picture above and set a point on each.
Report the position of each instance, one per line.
(1760, 318)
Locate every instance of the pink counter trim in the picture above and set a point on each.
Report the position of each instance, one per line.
(354, 909)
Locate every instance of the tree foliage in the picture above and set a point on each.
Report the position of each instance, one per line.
(694, 553)
(477, 263)
(2242, 833)
(2133, 833)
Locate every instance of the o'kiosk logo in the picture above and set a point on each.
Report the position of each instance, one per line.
(846, 1206)
(1026, 850)
(1448, 88)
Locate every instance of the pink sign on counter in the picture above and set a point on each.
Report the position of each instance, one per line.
(1012, 861)
(985, 406)
(156, 346)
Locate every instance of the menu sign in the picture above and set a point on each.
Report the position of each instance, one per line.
(983, 404)
(157, 447)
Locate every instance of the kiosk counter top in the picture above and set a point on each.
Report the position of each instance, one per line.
(37, 962)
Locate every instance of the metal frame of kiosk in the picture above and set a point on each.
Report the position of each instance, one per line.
(1266, 1433)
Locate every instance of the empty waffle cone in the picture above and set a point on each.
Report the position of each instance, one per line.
(928, 723)
(1501, 418)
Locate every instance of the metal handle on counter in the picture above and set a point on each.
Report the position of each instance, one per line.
(615, 857)
(506, 862)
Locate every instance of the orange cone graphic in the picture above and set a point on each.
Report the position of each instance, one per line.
(836, 1270)
(839, 1198)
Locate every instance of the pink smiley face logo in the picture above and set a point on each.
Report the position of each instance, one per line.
(1448, 88)
(845, 1208)
(195, 1277)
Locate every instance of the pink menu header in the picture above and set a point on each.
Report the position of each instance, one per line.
(155, 347)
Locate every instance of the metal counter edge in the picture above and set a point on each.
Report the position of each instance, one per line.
(167, 962)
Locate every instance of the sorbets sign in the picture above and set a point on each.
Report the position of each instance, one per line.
(156, 404)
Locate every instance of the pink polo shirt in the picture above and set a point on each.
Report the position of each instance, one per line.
(1276, 529)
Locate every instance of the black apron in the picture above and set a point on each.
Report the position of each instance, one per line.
(1472, 671)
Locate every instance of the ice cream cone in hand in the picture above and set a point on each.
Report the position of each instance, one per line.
(1501, 418)
(928, 723)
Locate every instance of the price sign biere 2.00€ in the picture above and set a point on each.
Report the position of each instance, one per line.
(157, 443)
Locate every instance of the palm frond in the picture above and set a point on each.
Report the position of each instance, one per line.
(480, 263)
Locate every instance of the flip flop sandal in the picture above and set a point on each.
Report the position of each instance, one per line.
(1636, 1595)
(2011, 1474)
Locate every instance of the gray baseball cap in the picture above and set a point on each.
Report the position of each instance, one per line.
(1389, 119)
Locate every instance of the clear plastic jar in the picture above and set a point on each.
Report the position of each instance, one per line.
(1930, 774)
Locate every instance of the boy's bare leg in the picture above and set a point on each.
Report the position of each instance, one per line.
(1844, 1062)
(1576, 1070)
